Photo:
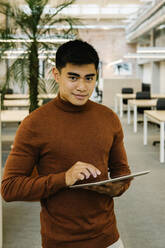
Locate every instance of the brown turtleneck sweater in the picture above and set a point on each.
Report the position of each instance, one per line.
(54, 137)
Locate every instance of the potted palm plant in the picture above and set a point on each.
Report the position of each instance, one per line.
(28, 31)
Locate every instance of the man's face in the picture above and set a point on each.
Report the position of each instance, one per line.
(76, 82)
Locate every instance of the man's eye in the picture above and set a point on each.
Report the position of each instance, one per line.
(73, 78)
(89, 78)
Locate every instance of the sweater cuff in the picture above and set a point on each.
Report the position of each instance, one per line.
(124, 188)
(56, 182)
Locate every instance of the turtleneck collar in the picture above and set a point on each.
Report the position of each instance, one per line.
(69, 107)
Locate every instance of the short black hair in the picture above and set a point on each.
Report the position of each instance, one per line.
(76, 52)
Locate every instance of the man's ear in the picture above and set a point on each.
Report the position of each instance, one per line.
(97, 75)
(56, 74)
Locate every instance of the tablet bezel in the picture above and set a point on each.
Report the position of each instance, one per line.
(111, 180)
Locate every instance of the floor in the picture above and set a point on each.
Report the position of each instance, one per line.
(140, 211)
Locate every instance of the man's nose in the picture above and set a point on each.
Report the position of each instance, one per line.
(81, 85)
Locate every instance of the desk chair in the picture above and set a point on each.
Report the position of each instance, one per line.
(146, 87)
(143, 95)
(126, 91)
(160, 105)
(8, 91)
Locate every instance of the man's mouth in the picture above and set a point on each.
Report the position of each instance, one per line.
(80, 97)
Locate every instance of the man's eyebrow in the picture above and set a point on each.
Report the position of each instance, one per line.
(77, 75)
(73, 74)
(90, 75)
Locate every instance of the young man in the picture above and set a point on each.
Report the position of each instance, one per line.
(71, 140)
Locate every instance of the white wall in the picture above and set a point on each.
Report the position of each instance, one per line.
(111, 46)
(112, 86)
(162, 77)
(147, 73)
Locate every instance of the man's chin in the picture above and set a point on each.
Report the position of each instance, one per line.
(79, 102)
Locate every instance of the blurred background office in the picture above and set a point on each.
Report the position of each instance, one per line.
(129, 36)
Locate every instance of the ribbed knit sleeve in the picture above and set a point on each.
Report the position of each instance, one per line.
(17, 183)
(118, 163)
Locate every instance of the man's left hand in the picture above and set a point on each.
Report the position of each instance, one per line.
(110, 189)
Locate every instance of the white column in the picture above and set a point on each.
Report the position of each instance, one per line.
(161, 142)
(162, 75)
(135, 119)
(145, 130)
(121, 107)
(140, 72)
(1, 219)
(116, 107)
(128, 113)
(155, 74)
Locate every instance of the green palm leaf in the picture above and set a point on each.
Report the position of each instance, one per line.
(29, 26)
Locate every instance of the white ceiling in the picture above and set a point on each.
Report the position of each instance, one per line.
(98, 9)
(98, 2)
(101, 9)
(106, 2)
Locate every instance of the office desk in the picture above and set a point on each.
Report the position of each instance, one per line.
(18, 103)
(119, 97)
(16, 96)
(43, 96)
(13, 115)
(157, 95)
(26, 96)
(157, 116)
(138, 103)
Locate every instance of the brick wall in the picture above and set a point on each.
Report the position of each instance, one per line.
(111, 46)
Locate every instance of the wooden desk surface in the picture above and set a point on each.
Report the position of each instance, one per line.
(13, 115)
(43, 96)
(18, 103)
(26, 96)
(158, 95)
(133, 96)
(125, 96)
(159, 115)
(143, 103)
(16, 96)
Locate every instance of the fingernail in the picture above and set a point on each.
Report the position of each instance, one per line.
(98, 172)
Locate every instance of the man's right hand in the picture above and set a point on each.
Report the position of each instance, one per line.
(80, 171)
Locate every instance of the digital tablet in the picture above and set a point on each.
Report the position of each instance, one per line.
(117, 179)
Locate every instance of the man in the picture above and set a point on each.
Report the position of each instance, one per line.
(71, 140)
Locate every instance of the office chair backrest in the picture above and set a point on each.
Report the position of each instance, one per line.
(127, 90)
(160, 105)
(9, 91)
(146, 87)
(143, 95)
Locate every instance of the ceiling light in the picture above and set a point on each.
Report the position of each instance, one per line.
(144, 56)
(151, 50)
(115, 62)
(39, 40)
(161, 27)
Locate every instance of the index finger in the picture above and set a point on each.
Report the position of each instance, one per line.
(92, 169)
